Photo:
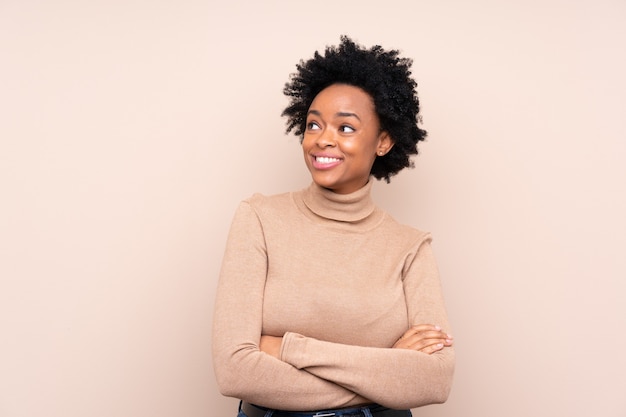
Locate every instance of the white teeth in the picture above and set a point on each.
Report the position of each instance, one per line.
(326, 159)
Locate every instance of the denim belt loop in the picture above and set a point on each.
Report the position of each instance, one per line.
(366, 411)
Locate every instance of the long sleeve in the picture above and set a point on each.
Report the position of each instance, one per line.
(396, 378)
(241, 369)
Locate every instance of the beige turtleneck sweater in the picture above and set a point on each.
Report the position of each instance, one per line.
(341, 281)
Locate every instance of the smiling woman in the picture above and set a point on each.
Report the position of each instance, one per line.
(343, 138)
(325, 304)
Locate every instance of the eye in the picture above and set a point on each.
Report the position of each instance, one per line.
(346, 129)
(312, 126)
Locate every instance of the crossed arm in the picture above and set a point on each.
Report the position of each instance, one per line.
(426, 338)
(295, 372)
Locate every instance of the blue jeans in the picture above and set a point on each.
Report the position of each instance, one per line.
(365, 413)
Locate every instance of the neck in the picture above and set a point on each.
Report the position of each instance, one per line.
(354, 210)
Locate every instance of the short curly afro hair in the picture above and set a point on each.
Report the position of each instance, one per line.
(383, 75)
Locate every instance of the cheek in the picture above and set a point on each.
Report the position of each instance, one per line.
(306, 148)
(306, 142)
(353, 146)
(360, 148)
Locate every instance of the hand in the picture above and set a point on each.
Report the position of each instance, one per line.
(425, 338)
(271, 345)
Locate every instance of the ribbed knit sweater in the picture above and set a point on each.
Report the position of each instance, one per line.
(341, 281)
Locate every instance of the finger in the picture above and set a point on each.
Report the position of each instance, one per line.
(425, 343)
(417, 333)
(432, 334)
(424, 328)
(433, 348)
(418, 342)
(421, 340)
(413, 330)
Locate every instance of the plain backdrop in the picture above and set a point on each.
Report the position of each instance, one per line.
(130, 130)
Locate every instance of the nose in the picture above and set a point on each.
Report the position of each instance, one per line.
(326, 139)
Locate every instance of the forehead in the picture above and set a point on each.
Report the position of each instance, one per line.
(343, 97)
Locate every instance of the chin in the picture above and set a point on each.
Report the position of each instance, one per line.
(325, 183)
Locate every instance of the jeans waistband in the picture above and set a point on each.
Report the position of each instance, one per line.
(252, 410)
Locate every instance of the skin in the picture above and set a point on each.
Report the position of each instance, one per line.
(343, 127)
(342, 124)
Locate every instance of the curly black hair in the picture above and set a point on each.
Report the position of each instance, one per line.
(383, 75)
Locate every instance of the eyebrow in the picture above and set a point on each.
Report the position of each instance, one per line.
(338, 114)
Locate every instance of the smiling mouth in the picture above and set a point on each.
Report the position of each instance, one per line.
(326, 160)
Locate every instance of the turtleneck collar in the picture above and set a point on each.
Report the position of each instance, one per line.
(356, 208)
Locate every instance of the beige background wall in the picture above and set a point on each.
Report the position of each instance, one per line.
(129, 131)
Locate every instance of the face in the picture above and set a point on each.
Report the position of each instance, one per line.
(343, 138)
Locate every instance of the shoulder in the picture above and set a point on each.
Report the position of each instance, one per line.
(262, 200)
(266, 207)
(262, 203)
(412, 244)
(408, 235)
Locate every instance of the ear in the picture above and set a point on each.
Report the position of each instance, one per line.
(385, 143)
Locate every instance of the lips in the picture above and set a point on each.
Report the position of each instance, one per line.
(325, 161)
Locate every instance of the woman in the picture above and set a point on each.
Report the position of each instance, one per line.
(326, 305)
